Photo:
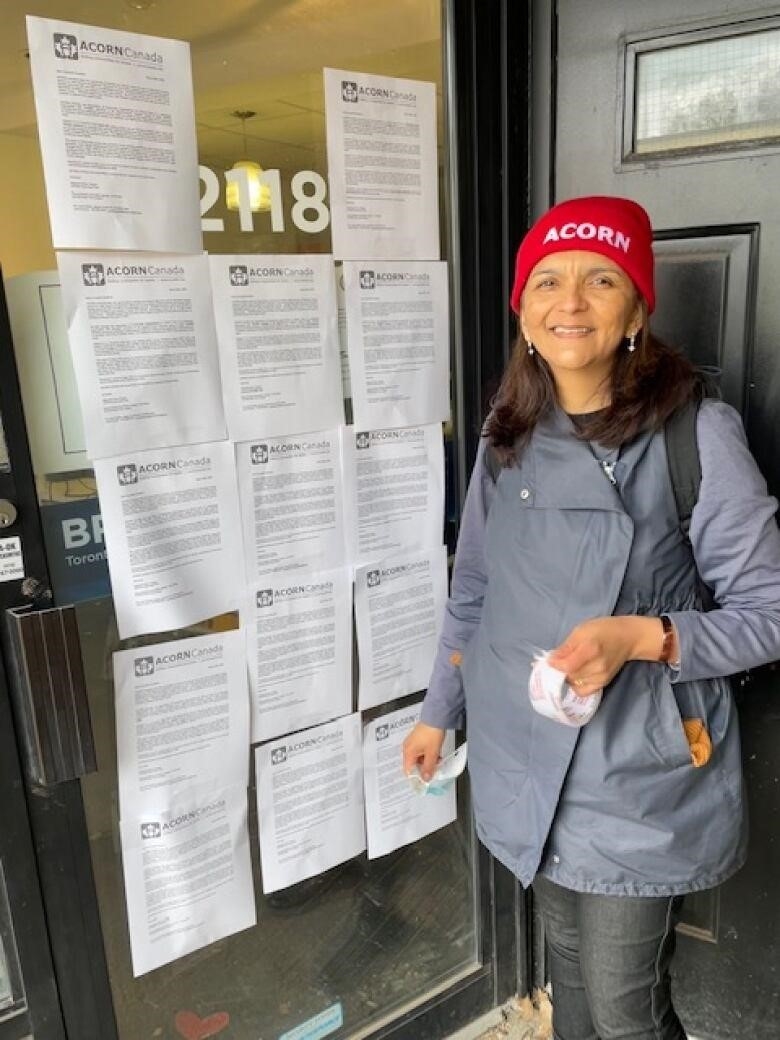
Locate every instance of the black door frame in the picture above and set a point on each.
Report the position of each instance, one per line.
(43, 1013)
(53, 896)
(489, 200)
(488, 64)
(493, 45)
(27, 936)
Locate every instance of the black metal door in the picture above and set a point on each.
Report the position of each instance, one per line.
(677, 105)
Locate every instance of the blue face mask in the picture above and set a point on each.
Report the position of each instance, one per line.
(445, 775)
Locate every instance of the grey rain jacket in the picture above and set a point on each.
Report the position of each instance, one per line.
(616, 807)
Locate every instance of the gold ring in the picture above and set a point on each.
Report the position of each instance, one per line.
(579, 682)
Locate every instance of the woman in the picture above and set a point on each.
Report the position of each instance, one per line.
(576, 548)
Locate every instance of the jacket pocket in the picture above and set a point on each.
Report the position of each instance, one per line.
(668, 731)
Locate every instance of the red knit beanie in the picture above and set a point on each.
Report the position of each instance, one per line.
(617, 228)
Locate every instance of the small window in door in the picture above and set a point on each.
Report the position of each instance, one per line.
(702, 92)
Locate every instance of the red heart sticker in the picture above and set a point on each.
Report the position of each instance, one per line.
(193, 1027)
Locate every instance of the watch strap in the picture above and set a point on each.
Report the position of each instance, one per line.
(668, 639)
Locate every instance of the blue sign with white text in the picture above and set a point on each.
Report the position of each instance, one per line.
(75, 550)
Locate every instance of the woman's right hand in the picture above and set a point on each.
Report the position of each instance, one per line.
(423, 748)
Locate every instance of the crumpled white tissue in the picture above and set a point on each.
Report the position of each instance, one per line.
(552, 696)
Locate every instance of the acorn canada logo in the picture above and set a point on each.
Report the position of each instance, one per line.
(239, 274)
(362, 440)
(143, 666)
(150, 830)
(127, 474)
(66, 46)
(258, 453)
(349, 90)
(373, 579)
(367, 280)
(265, 598)
(278, 755)
(93, 274)
(382, 731)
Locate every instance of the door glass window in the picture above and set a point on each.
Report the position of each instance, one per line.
(710, 93)
(369, 939)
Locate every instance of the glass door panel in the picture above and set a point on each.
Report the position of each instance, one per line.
(364, 941)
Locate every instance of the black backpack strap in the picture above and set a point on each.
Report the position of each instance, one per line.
(682, 453)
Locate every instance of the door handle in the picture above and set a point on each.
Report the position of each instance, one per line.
(49, 693)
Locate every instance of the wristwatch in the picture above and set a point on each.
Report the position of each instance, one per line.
(668, 639)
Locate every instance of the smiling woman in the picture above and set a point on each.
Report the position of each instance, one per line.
(571, 543)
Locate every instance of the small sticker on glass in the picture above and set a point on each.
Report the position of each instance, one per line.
(321, 1025)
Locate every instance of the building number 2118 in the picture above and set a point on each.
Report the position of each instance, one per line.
(309, 212)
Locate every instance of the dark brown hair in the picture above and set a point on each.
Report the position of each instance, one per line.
(647, 385)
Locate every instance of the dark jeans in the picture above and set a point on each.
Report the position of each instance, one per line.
(609, 964)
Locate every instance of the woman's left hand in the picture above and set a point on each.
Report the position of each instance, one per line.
(595, 651)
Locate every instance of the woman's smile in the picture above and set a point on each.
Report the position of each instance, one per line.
(571, 330)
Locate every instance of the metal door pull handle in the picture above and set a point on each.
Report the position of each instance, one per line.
(49, 692)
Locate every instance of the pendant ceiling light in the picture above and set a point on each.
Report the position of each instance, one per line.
(259, 193)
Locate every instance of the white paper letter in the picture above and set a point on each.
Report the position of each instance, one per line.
(188, 877)
(182, 718)
(116, 121)
(144, 348)
(395, 488)
(299, 639)
(398, 341)
(292, 503)
(172, 534)
(310, 802)
(382, 166)
(278, 338)
(399, 607)
(395, 814)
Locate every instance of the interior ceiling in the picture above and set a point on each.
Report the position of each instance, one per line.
(264, 56)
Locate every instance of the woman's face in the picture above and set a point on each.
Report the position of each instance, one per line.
(577, 308)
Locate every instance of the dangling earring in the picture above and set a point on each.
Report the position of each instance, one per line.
(531, 350)
(632, 343)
